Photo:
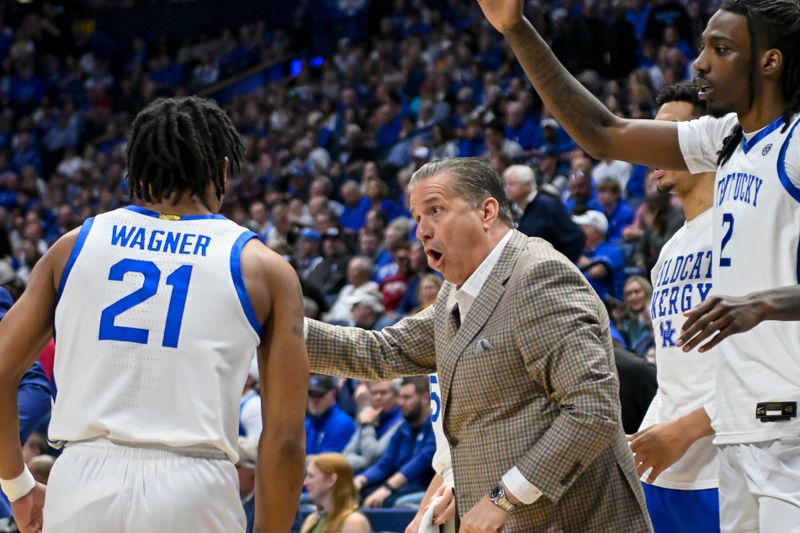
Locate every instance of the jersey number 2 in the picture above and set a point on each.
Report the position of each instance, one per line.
(727, 220)
(179, 280)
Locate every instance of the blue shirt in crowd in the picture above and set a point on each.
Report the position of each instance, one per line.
(353, 218)
(410, 452)
(612, 256)
(618, 219)
(328, 432)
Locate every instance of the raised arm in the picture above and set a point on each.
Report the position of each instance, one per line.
(283, 370)
(586, 119)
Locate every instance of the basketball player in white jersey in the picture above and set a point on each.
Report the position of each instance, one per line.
(681, 468)
(441, 488)
(158, 309)
(749, 75)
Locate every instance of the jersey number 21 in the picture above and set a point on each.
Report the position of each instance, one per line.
(178, 280)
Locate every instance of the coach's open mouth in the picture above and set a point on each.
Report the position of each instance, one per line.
(434, 257)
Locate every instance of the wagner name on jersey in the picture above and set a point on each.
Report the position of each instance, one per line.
(155, 332)
(756, 247)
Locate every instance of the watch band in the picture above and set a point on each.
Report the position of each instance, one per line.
(498, 497)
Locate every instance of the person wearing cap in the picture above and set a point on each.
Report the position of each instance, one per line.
(360, 270)
(602, 262)
(552, 181)
(368, 310)
(328, 427)
(330, 274)
(246, 470)
(307, 251)
(540, 215)
(554, 135)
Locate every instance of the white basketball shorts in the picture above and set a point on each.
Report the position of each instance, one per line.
(103, 487)
(759, 487)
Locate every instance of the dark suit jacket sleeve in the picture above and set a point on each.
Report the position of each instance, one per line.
(404, 349)
(562, 334)
(570, 235)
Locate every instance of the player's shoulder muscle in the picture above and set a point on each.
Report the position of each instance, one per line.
(268, 277)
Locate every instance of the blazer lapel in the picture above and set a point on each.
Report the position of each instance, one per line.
(481, 310)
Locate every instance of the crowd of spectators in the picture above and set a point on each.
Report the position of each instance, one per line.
(331, 147)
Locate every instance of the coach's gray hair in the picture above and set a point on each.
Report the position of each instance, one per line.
(474, 180)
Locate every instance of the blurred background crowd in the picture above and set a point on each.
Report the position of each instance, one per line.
(337, 105)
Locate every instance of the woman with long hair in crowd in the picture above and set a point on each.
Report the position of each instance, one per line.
(635, 325)
(428, 290)
(329, 484)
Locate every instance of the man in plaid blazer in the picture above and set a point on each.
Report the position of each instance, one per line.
(529, 391)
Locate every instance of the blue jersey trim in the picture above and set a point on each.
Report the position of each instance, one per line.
(790, 187)
(238, 280)
(155, 214)
(53, 386)
(748, 145)
(73, 256)
(797, 262)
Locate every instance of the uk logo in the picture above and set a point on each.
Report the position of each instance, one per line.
(667, 334)
(766, 149)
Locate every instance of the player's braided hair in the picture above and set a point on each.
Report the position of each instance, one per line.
(771, 24)
(179, 145)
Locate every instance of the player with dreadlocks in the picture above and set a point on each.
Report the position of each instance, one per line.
(749, 77)
(159, 308)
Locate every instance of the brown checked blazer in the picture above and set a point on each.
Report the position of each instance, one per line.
(528, 380)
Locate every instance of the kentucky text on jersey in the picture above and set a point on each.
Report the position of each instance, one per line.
(672, 295)
(159, 240)
(739, 187)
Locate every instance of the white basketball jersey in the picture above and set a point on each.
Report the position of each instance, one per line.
(442, 461)
(756, 247)
(681, 281)
(154, 332)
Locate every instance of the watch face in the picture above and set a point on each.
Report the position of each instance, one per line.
(496, 492)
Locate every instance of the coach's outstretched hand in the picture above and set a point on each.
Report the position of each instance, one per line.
(723, 315)
(504, 15)
(28, 510)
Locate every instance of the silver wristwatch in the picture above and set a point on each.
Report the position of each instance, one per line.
(498, 497)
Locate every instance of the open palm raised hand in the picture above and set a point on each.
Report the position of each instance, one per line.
(502, 14)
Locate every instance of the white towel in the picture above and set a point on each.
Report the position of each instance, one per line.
(427, 520)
